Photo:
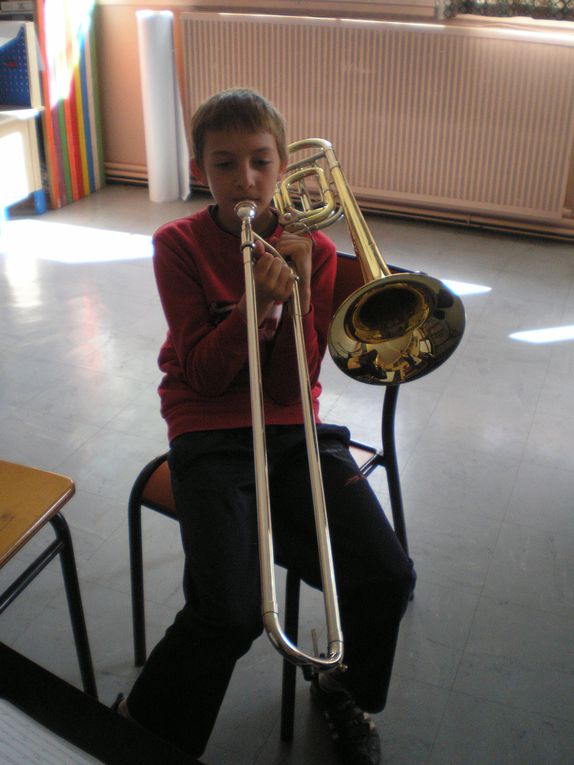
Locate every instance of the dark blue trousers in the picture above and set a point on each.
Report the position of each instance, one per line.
(180, 689)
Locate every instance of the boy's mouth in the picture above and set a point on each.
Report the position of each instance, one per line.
(237, 200)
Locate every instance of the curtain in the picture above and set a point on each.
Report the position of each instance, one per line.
(71, 119)
(558, 10)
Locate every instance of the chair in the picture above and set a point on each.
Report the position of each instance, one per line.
(152, 489)
(30, 498)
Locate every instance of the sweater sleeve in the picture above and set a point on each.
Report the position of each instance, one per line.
(280, 374)
(209, 356)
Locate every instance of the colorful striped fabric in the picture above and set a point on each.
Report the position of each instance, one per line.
(72, 126)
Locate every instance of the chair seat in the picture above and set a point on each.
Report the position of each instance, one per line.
(362, 453)
(29, 498)
(157, 491)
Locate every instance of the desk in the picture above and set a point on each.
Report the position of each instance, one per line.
(78, 718)
(30, 498)
(19, 159)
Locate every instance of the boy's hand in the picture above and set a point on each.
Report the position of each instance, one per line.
(274, 278)
(273, 282)
(298, 249)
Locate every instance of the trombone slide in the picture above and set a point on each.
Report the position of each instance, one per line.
(269, 608)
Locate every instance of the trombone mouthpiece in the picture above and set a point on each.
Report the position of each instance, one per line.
(246, 209)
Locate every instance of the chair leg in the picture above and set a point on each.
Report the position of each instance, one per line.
(137, 581)
(72, 586)
(391, 465)
(292, 590)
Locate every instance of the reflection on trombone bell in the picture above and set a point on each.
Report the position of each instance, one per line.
(388, 362)
(393, 329)
(398, 359)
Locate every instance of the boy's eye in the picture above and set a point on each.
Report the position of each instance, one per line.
(228, 164)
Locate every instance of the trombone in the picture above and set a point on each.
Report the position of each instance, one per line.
(269, 608)
(393, 329)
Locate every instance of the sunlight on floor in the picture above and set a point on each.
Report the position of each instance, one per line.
(66, 243)
(466, 288)
(548, 335)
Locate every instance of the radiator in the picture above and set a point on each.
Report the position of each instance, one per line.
(420, 115)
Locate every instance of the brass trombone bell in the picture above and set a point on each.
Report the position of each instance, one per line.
(396, 327)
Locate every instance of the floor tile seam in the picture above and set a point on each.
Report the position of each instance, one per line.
(118, 373)
(49, 604)
(566, 535)
(148, 602)
(68, 366)
(438, 729)
(82, 492)
(566, 611)
(481, 589)
(472, 621)
(537, 527)
(403, 463)
(92, 617)
(80, 564)
(506, 705)
(73, 418)
(518, 464)
(103, 431)
(522, 461)
(522, 708)
(513, 463)
(273, 731)
(436, 686)
(59, 465)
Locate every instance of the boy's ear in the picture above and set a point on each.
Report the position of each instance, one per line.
(198, 173)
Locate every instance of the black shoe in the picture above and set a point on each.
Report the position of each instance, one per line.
(116, 705)
(354, 735)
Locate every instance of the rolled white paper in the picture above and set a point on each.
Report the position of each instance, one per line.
(167, 153)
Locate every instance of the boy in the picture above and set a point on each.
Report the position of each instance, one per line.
(240, 152)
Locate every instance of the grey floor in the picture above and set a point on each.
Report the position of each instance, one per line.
(485, 665)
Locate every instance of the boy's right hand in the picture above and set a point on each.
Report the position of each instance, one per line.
(273, 282)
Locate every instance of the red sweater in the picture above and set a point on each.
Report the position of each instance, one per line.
(200, 276)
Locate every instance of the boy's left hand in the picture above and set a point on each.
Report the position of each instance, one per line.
(298, 249)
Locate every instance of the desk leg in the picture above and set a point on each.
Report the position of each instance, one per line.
(72, 585)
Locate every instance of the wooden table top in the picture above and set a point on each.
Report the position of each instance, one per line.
(29, 497)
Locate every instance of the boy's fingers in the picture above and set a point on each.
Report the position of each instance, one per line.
(259, 249)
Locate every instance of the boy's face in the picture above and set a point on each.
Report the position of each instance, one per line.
(239, 165)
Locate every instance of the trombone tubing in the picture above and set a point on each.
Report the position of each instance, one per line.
(269, 607)
(372, 262)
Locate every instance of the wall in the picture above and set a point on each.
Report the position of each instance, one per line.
(116, 29)
(121, 95)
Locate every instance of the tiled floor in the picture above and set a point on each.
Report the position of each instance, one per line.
(485, 667)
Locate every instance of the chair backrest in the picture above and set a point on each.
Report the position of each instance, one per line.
(349, 277)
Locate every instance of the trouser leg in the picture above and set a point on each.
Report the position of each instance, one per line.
(374, 576)
(182, 685)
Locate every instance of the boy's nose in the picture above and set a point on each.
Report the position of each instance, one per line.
(246, 177)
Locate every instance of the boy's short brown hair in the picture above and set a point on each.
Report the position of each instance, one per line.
(237, 109)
